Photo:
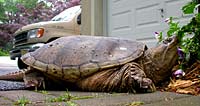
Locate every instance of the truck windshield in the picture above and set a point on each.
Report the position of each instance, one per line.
(67, 14)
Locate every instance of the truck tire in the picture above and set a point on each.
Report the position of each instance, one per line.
(21, 64)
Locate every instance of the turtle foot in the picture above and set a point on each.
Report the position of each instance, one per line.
(34, 79)
(145, 85)
(141, 82)
(37, 83)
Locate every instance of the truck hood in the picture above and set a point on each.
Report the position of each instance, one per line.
(47, 24)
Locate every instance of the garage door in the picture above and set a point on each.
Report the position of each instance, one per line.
(139, 19)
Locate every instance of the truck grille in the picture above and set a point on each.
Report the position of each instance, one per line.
(21, 38)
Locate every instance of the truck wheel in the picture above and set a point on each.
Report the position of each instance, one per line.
(21, 64)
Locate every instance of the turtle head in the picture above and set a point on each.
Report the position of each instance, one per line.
(165, 57)
(166, 51)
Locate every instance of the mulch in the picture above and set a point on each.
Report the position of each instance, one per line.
(187, 84)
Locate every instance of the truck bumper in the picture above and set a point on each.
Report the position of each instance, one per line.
(19, 51)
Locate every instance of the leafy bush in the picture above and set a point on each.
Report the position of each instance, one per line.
(188, 35)
(3, 52)
(6, 34)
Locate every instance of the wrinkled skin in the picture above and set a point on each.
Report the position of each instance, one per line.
(161, 61)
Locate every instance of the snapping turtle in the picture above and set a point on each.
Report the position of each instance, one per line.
(105, 64)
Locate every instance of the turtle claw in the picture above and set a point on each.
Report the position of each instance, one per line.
(152, 88)
(37, 83)
(34, 79)
(147, 85)
(144, 84)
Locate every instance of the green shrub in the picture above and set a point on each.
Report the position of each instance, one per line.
(188, 35)
(4, 52)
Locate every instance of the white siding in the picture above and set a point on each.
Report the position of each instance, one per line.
(139, 19)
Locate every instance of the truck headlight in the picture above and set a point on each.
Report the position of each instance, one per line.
(36, 33)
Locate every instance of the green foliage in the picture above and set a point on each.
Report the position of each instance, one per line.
(173, 27)
(9, 8)
(28, 3)
(70, 103)
(43, 92)
(62, 98)
(2, 12)
(23, 101)
(82, 97)
(67, 97)
(188, 35)
(191, 46)
(189, 7)
(3, 52)
(136, 104)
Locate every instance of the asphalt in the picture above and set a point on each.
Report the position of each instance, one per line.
(78, 98)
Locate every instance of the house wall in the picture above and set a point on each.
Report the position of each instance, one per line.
(132, 19)
(92, 17)
(140, 19)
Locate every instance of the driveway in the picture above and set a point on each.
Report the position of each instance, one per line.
(8, 98)
(7, 65)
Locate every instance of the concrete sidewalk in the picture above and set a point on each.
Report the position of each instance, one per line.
(8, 98)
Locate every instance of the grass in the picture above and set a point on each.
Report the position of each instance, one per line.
(70, 103)
(23, 101)
(66, 97)
(138, 103)
(43, 92)
(4, 53)
(82, 97)
(61, 98)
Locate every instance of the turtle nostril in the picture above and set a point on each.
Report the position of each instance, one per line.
(168, 40)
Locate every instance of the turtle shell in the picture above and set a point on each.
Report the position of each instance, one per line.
(74, 57)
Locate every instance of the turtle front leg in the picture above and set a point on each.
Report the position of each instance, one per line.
(137, 78)
(34, 79)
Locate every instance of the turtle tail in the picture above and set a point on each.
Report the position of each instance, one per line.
(15, 76)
